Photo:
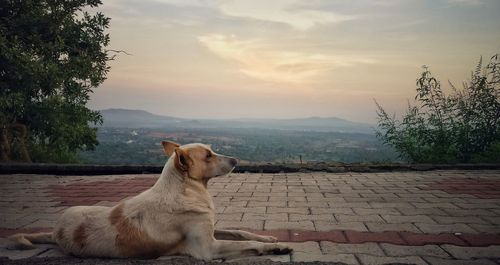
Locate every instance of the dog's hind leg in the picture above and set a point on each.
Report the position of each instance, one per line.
(25, 241)
(242, 235)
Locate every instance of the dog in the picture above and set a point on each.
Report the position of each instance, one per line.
(173, 217)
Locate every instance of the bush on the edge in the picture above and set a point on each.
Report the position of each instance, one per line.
(463, 127)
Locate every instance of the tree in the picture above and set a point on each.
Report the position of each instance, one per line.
(52, 56)
(461, 127)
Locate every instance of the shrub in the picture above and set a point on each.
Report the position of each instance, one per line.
(460, 127)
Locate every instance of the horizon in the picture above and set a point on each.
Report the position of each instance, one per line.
(239, 118)
(288, 59)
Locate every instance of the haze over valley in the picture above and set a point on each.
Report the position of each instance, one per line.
(134, 136)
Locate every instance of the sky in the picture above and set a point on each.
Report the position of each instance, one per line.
(288, 59)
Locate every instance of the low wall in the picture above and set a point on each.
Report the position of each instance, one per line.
(82, 169)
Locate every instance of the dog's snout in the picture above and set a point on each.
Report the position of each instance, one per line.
(233, 161)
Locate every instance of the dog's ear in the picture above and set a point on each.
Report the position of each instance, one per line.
(169, 147)
(181, 159)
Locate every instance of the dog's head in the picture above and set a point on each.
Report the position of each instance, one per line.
(198, 161)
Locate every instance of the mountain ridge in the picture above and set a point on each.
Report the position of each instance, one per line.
(133, 118)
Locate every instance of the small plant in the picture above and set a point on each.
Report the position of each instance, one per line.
(461, 127)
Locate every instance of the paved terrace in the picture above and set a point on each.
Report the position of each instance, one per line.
(433, 217)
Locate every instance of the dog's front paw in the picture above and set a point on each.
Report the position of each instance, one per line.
(269, 239)
(281, 249)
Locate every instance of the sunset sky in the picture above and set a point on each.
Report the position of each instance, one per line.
(288, 59)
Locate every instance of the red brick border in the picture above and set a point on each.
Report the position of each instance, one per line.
(478, 187)
(353, 237)
(415, 239)
(393, 237)
(90, 193)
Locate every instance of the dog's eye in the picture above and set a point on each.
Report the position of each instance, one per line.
(209, 154)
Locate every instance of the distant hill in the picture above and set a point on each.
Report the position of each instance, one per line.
(126, 118)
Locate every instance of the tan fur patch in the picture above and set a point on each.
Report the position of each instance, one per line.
(60, 234)
(79, 236)
(133, 242)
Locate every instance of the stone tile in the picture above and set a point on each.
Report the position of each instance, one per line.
(256, 224)
(267, 204)
(365, 248)
(298, 210)
(350, 205)
(440, 261)
(492, 219)
(348, 259)
(18, 223)
(459, 219)
(288, 199)
(486, 228)
(443, 205)
(231, 203)
(41, 223)
(315, 210)
(358, 218)
(310, 251)
(259, 259)
(472, 252)
(330, 226)
(382, 227)
(386, 205)
(311, 217)
(323, 199)
(401, 251)
(477, 205)
(376, 260)
(305, 250)
(397, 219)
(425, 211)
(308, 204)
(448, 228)
(385, 211)
(231, 209)
(266, 216)
(300, 225)
(241, 199)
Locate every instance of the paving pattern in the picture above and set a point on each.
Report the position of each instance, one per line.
(432, 217)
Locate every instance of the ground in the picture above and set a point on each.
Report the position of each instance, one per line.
(432, 217)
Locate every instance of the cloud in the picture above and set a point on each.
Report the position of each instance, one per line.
(282, 11)
(465, 2)
(257, 60)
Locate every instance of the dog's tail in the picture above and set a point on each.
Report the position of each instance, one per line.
(25, 241)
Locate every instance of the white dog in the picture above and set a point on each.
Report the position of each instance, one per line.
(174, 217)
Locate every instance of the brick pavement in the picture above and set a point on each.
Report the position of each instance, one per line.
(433, 217)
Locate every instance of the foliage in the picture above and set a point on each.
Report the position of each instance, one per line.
(51, 57)
(463, 126)
(120, 146)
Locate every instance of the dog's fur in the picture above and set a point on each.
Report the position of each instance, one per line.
(174, 217)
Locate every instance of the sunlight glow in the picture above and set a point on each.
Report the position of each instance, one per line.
(257, 61)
